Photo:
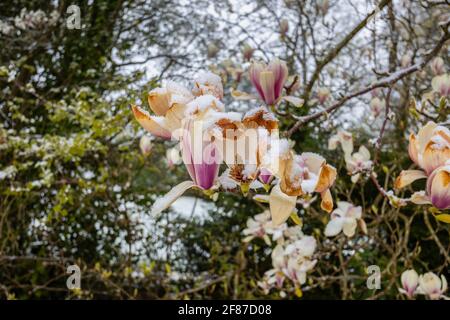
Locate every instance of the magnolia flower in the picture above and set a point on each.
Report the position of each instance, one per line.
(358, 162)
(343, 138)
(300, 175)
(284, 26)
(145, 144)
(169, 105)
(208, 83)
(430, 149)
(377, 105)
(441, 85)
(431, 286)
(173, 157)
(437, 66)
(323, 94)
(344, 218)
(203, 167)
(410, 281)
(247, 51)
(257, 227)
(269, 80)
(438, 187)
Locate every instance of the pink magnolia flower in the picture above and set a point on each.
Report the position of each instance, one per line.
(441, 85)
(432, 286)
(344, 218)
(269, 80)
(145, 144)
(202, 160)
(437, 66)
(410, 281)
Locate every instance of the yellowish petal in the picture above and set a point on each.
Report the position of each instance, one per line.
(407, 177)
(327, 176)
(164, 202)
(159, 101)
(281, 205)
(154, 125)
(327, 201)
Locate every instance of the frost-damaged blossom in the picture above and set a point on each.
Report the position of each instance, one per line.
(410, 282)
(430, 150)
(431, 286)
(169, 105)
(345, 218)
(300, 175)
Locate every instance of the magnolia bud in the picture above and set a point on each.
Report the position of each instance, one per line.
(410, 281)
(145, 144)
(437, 66)
(284, 27)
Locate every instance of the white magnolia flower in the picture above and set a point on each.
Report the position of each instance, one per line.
(358, 162)
(431, 286)
(344, 218)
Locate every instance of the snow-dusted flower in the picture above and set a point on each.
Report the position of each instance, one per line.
(168, 104)
(437, 66)
(441, 85)
(208, 83)
(344, 218)
(145, 144)
(432, 286)
(269, 79)
(410, 281)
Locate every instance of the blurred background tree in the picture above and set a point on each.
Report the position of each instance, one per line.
(75, 188)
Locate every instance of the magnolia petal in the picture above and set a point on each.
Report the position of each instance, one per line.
(365, 154)
(267, 80)
(240, 95)
(334, 227)
(281, 205)
(424, 136)
(174, 116)
(407, 177)
(434, 157)
(297, 102)
(313, 161)
(159, 101)
(420, 197)
(349, 227)
(440, 188)
(164, 202)
(327, 201)
(362, 224)
(264, 198)
(412, 149)
(154, 125)
(327, 176)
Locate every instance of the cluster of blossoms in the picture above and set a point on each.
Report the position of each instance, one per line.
(29, 20)
(248, 144)
(357, 162)
(292, 257)
(430, 151)
(428, 284)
